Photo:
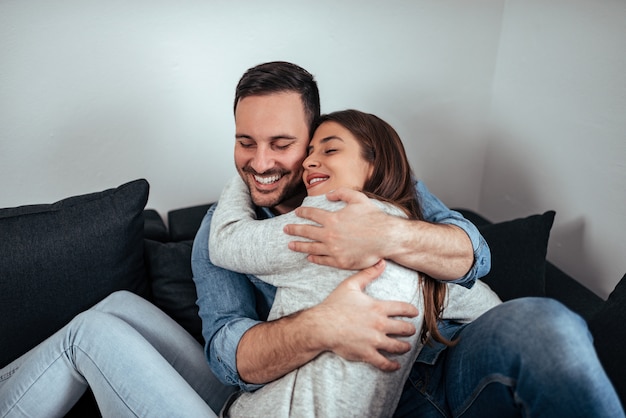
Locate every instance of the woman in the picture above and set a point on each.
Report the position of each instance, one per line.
(360, 151)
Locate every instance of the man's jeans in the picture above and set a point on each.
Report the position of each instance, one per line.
(137, 361)
(528, 357)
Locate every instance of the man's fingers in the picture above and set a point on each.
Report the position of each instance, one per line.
(368, 275)
(394, 346)
(316, 215)
(378, 359)
(312, 232)
(323, 260)
(397, 308)
(316, 248)
(398, 327)
(383, 363)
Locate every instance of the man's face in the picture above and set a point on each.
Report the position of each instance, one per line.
(272, 136)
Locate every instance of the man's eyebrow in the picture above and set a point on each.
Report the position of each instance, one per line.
(272, 138)
(289, 137)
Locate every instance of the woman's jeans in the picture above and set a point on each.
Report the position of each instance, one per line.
(137, 361)
(529, 357)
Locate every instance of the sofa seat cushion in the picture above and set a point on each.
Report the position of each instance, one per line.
(57, 260)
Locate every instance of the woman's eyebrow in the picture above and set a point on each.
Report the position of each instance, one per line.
(327, 139)
(323, 141)
(330, 138)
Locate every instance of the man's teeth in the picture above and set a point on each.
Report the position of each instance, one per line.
(316, 180)
(267, 180)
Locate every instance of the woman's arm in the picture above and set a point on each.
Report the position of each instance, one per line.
(241, 243)
(446, 246)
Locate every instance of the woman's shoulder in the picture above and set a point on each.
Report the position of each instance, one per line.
(322, 202)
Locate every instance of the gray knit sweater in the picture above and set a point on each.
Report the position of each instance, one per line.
(328, 386)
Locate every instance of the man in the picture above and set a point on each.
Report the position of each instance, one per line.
(275, 107)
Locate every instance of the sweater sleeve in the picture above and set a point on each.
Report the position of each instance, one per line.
(465, 305)
(241, 243)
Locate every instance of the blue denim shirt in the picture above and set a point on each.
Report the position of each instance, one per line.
(231, 303)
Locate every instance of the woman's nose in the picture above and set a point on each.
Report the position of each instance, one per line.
(310, 162)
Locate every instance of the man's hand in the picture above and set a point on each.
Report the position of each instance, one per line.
(346, 239)
(348, 322)
(360, 234)
(359, 327)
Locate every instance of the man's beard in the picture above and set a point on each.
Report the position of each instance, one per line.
(291, 190)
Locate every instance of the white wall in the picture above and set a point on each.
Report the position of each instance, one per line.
(559, 139)
(96, 93)
(93, 94)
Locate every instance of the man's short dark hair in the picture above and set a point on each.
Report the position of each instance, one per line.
(279, 77)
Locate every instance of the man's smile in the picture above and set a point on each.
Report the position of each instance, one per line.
(266, 180)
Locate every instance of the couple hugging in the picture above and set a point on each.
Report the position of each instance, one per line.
(353, 150)
(438, 342)
(367, 303)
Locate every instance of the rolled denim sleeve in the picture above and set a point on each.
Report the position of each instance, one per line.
(436, 212)
(227, 304)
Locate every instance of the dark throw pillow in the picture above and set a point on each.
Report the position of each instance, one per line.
(173, 289)
(57, 260)
(609, 334)
(518, 255)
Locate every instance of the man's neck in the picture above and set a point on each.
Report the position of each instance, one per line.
(288, 205)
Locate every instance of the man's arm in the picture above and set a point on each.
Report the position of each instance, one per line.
(243, 350)
(446, 246)
(348, 323)
(228, 306)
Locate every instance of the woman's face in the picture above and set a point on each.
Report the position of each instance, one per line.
(334, 160)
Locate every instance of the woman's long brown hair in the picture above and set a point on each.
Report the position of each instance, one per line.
(392, 180)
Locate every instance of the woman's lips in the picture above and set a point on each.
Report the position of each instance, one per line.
(313, 180)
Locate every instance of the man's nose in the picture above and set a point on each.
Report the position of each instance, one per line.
(263, 160)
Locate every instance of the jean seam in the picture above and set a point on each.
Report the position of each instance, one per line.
(107, 381)
(420, 382)
(495, 378)
(17, 401)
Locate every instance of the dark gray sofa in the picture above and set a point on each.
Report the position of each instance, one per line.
(59, 259)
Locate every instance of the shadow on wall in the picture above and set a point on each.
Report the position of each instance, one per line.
(567, 243)
(519, 180)
(446, 150)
